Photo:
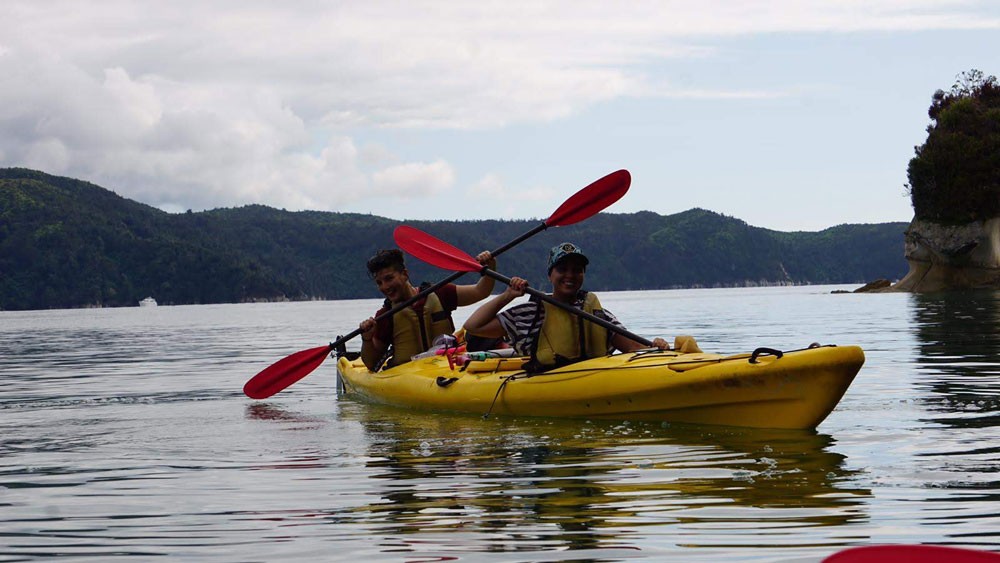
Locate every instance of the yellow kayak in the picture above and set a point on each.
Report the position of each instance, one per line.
(764, 389)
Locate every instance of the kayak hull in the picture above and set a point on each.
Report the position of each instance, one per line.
(797, 390)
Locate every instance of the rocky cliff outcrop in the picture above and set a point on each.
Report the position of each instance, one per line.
(945, 257)
(953, 242)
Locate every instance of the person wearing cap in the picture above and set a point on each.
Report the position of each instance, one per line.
(551, 336)
(413, 329)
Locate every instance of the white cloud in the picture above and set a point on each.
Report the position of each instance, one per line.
(490, 185)
(47, 154)
(506, 202)
(137, 100)
(493, 186)
(413, 180)
(196, 105)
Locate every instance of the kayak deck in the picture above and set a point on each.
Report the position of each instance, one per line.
(791, 390)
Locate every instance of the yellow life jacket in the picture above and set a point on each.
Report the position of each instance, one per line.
(565, 338)
(415, 327)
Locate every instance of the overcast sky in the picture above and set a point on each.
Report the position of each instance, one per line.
(790, 115)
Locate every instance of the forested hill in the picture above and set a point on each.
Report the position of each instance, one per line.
(66, 243)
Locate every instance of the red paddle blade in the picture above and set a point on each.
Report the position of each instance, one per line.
(285, 372)
(434, 251)
(591, 200)
(911, 554)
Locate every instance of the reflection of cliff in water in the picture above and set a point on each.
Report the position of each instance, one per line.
(558, 484)
(958, 336)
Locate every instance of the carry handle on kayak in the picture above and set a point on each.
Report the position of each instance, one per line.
(769, 351)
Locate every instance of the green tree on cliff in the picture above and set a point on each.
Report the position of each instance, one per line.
(955, 175)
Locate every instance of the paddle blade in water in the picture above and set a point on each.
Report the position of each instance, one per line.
(434, 251)
(285, 372)
(591, 200)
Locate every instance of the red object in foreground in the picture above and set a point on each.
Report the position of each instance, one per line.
(912, 554)
(591, 200)
(434, 251)
(285, 372)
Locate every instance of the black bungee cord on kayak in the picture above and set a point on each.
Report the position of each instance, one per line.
(752, 358)
(504, 384)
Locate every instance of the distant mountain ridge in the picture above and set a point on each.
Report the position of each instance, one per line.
(67, 243)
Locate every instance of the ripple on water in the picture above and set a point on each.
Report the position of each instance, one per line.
(125, 434)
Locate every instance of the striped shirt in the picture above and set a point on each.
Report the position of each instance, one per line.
(519, 322)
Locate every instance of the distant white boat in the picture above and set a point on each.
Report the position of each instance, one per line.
(148, 302)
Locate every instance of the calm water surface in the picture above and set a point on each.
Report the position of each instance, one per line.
(124, 434)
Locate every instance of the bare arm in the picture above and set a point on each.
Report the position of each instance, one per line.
(469, 294)
(372, 348)
(625, 344)
(484, 321)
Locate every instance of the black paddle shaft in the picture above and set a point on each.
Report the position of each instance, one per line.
(567, 307)
(430, 289)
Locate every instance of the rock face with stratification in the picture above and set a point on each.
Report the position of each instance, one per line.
(946, 257)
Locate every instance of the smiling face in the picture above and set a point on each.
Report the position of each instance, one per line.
(566, 277)
(394, 284)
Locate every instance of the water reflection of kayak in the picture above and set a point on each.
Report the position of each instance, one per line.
(795, 389)
(596, 473)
